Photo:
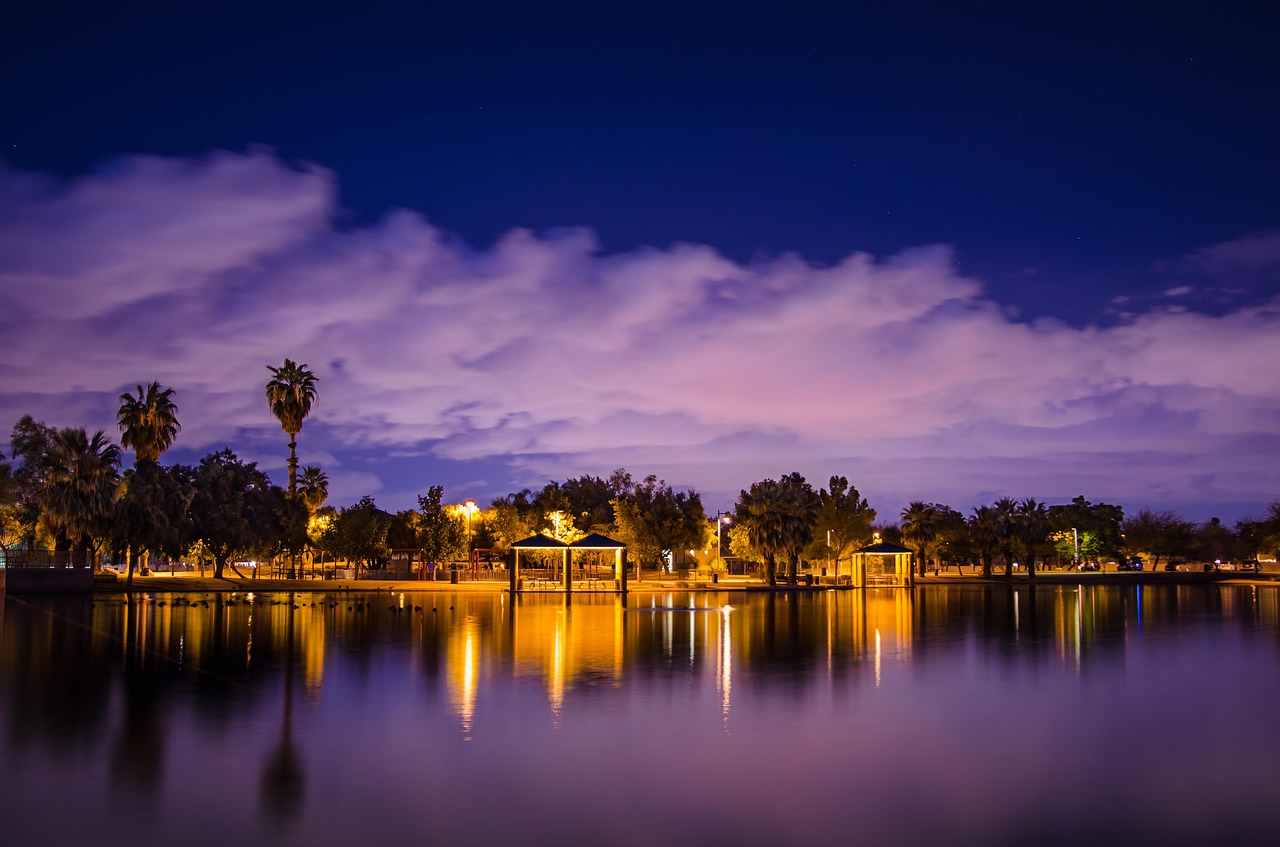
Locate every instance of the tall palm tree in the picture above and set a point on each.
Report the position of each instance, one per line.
(920, 528)
(290, 393)
(149, 422)
(81, 486)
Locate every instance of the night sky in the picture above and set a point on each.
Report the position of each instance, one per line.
(950, 250)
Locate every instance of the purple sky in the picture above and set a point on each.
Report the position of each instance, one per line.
(643, 261)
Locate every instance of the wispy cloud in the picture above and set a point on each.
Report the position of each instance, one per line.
(543, 352)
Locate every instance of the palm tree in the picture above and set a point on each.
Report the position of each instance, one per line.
(779, 517)
(149, 422)
(313, 487)
(290, 394)
(758, 513)
(1006, 512)
(313, 490)
(984, 530)
(800, 506)
(81, 486)
(1031, 526)
(920, 527)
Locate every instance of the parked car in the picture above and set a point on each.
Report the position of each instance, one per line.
(1132, 563)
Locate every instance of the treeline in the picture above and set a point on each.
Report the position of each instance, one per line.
(62, 489)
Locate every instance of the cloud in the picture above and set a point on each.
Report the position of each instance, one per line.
(1258, 251)
(556, 359)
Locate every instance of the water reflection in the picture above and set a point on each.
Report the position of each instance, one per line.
(155, 699)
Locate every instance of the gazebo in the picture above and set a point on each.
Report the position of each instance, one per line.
(596, 541)
(883, 563)
(590, 542)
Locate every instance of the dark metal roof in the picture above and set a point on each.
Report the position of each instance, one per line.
(885, 548)
(539, 542)
(596, 541)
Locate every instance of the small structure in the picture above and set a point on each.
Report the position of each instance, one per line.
(537, 542)
(591, 542)
(596, 541)
(883, 563)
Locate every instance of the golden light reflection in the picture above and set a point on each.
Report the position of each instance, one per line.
(562, 645)
(724, 665)
(877, 657)
(463, 674)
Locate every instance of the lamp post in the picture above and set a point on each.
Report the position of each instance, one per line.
(1075, 535)
(721, 517)
(471, 509)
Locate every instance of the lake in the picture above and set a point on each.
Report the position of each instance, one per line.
(957, 715)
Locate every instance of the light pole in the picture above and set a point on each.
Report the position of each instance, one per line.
(721, 517)
(1075, 535)
(471, 509)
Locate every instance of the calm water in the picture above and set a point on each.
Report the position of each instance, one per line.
(958, 716)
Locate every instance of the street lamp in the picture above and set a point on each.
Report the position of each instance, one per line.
(471, 510)
(720, 520)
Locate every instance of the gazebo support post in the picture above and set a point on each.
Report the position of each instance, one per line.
(568, 572)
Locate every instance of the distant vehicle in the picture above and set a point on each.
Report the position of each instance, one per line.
(1088, 566)
(1129, 564)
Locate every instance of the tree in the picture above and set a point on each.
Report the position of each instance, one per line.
(236, 510)
(149, 422)
(313, 491)
(441, 535)
(653, 520)
(12, 527)
(779, 518)
(844, 519)
(1096, 527)
(290, 393)
(513, 518)
(359, 535)
(590, 501)
(1217, 543)
(313, 488)
(919, 529)
(802, 505)
(151, 512)
(32, 443)
(952, 543)
(80, 490)
(1005, 511)
(985, 534)
(1158, 534)
(1031, 528)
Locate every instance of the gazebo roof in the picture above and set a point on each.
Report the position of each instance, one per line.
(539, 542)
(596, 541)
(885, 548)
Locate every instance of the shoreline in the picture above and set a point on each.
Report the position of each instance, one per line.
(181, 584)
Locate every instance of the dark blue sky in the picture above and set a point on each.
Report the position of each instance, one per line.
(191, 190)
(1062, 148)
